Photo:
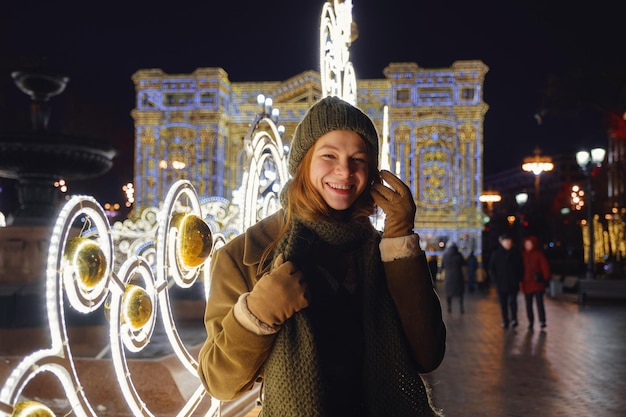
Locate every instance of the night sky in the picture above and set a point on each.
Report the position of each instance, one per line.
(524, 43)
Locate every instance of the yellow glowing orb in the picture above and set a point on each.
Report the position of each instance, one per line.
(194, 240)
(136, 306)
(87, 260)
(31, 409)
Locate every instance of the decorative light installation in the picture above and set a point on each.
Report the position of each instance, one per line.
(165, 247)
(577, 198)
(31, 409)
(129, 191)
(337, 32)
(82, 267)
(266, 168)
(81, 276)
(61, 185)
(385, 152)
(616, 231)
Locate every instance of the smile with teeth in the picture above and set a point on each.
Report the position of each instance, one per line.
(340, 186)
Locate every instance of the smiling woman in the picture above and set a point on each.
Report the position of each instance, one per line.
(287, 299)
(339, 168)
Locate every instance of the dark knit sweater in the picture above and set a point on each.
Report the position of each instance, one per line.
(338, 326)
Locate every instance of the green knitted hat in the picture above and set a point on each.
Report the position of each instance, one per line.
(330, 113)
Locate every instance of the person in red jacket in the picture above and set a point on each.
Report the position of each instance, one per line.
(536, 276)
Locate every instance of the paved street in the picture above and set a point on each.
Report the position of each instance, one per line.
(577, 367)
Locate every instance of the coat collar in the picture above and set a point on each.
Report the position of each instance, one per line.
(260, 235)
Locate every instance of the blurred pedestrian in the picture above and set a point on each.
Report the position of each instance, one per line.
(452, 263)
(472, 265)
(506, 268)
(536, 276)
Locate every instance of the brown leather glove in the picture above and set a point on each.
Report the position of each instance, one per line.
(279, 294)
(397, 203)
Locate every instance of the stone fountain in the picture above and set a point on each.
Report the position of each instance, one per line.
(36, 158)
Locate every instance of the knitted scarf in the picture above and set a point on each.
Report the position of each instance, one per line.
(292, 382)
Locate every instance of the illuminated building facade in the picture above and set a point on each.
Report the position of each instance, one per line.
(191, 126)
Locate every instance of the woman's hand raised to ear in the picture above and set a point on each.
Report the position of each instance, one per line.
(397, 203)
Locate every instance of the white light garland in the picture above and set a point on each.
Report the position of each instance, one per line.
(130, 327)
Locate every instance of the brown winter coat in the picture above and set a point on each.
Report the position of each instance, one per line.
(232, 357)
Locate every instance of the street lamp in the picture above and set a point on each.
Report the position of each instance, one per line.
(587, 161)
(521, 199)
(537, 164)
(490, 197)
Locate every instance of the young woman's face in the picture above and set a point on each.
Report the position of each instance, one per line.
(339, 168)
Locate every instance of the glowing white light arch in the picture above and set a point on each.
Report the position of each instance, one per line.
(58, 359)
(180, 190)
(263, 147)
(336, 71)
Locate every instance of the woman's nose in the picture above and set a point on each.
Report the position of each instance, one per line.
(343, 168)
